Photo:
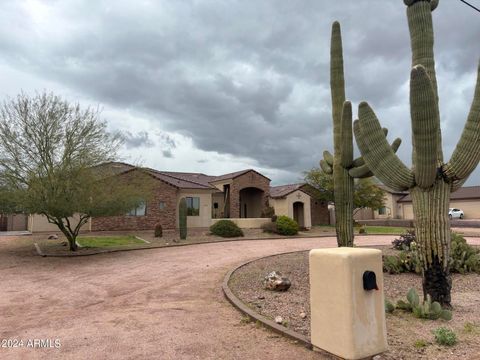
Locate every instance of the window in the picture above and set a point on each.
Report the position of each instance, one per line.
(161, 205)
(382, 211)
(139, 210)
(193, 206)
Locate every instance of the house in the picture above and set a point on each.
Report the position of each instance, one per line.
(398, 204)
(466, 198)
(298, 201)
(241, 196)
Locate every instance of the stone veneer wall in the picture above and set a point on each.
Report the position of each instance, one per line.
(153, 214)
(249, 179)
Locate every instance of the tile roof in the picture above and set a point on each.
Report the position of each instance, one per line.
(182, 180)
(464, 193)
(284, 190)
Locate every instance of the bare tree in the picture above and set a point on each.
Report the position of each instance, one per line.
(50, 156)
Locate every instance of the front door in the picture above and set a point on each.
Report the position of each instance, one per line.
(298, 213)
(3, 222)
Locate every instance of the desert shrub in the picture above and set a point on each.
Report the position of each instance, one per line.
(158, 230)
(226, 228)
(270, 227)
(268, 212)
(463, 257)
(444, 336)
(405, 240)
(426, 310)
(286, 225)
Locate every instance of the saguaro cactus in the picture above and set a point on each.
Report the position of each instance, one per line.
(430, 180)
(342, 165)
(182, 218)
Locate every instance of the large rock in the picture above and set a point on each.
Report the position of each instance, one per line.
(276, 282)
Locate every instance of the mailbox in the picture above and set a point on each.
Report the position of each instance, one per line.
(347, 302)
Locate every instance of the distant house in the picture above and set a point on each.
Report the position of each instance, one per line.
(398, 205)
(241, 196)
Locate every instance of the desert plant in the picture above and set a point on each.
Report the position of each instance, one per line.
(389, 307)
(270, 227)
(431, 180)
(158, 230)
(182, 218)
(420, 344)
(426, 310)
(463, 257)
(445, 336)
(226, 228)
(268, 212)
(403, 243)
(286, 225)
(341, 164)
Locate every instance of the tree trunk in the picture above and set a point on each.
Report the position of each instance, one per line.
(343, 194)
(432, 228)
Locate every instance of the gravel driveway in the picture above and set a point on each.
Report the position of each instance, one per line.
(150, 304)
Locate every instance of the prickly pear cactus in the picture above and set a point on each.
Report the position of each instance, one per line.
(430, 180)
(182, 218)
(341, 164)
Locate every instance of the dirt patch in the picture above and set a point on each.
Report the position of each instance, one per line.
(408, 337)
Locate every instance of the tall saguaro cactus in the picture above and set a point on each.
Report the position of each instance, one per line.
(430, 180)
(341, 164)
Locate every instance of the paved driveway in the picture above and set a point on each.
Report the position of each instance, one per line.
(152, 304)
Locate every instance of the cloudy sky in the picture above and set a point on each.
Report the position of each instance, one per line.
(219, 86)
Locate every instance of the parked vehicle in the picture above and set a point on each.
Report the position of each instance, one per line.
(454, 213)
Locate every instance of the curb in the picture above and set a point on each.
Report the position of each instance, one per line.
(237, 303)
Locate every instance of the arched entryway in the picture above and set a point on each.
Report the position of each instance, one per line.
(251, 202)
(298, 213)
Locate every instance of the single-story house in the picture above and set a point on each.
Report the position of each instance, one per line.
(241, 196)
(398, 205)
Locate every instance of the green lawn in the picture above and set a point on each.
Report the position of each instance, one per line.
(370, 229)
(108, 241)
(386, 230)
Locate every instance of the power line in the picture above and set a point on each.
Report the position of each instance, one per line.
(473, 7)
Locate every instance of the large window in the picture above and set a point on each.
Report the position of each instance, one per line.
(382, 211)
(193, 206)
(139, 210)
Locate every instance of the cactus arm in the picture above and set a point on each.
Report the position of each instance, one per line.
(425, 123)
(466, 155)
(346, 157)
(363, 171)
(337, 84)
(325, 167)
(395, 145)
(457, 184)
(358, 162)
(420, 25)
(378, 154)
(328, 157)
(360, 172)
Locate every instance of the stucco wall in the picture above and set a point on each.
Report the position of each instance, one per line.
(204, 219)
(471, 208)
(249, 179)
(39, 223)
(284, 206)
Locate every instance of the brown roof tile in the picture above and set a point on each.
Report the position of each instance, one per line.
(284, 190)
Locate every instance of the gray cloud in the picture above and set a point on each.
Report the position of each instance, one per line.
(137, 140)
(248, 79)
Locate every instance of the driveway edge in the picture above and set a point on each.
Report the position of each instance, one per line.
(237, 303)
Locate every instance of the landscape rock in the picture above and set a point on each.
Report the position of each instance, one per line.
(303, 315)
(276, 282)
(53, 237)
(278, 319)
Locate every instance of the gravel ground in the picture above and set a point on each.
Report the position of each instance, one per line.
(403, 329)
